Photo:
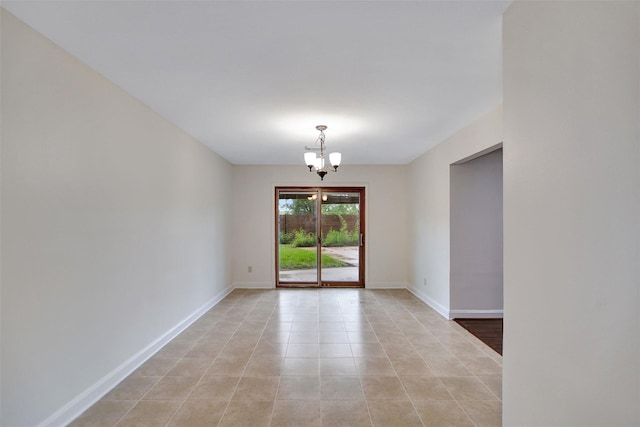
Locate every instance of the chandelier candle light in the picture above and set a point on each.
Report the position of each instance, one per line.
(314, 156)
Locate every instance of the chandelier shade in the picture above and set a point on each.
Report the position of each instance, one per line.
(314, 157)
(310, 159)
(335, 158)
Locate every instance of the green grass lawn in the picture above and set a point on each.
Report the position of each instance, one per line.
(300, 259)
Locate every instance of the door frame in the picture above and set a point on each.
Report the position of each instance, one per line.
(362, 248)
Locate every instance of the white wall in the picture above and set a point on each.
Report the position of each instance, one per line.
(429, 219)
(571, 214)
(114, 230)
(386, 262)
(476, 237)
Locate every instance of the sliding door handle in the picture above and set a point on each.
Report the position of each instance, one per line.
(361, 239)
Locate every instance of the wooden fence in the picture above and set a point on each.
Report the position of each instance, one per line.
(291, 223)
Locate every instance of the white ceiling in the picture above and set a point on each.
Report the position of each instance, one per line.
(251, 80)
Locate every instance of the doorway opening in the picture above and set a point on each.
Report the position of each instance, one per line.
(476, 236)
(320, 236)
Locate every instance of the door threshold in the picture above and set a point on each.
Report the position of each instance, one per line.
(319, 287)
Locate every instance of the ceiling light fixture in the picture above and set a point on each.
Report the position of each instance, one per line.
(314, 156)
(315, 196)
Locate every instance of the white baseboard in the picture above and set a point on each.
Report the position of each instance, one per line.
(253, 285)
(386, 285)
(476, 314)
(87, 398)
(444, 311)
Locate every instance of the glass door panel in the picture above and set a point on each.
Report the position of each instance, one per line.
(297, 241)
(341, 238)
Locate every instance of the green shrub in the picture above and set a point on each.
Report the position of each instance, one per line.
(303, 239)
(286, 238)
(335, 238)
(343, 237)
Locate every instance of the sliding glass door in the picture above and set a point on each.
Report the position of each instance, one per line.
(312, 221)
(297, 239)
(340, 237)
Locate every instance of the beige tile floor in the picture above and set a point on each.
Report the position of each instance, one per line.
(312, 357)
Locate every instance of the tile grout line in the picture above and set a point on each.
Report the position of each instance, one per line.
(172, 366)
(436, 376)
(158, 381)
(360, 376)
(208, 367)
(445, 387)
(398, 376)
(273, 408)
(235, 389)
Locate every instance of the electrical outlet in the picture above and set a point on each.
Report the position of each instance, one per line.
(249, 269)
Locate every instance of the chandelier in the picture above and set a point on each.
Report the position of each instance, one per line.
(314, 156)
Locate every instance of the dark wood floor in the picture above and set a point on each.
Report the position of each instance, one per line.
(488, 331)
